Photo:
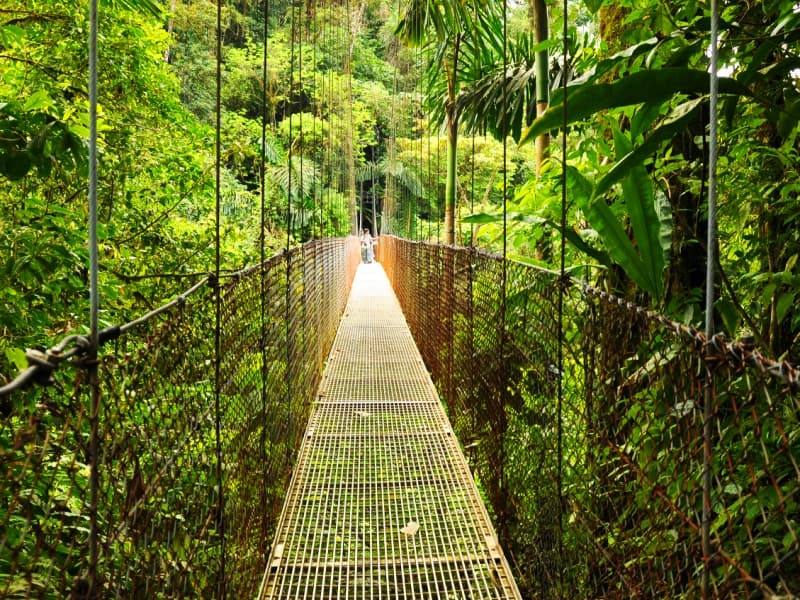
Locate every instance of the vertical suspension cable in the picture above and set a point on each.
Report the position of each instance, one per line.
(290, 152)
(301, 174)
(336, 92)
(220, 524)
(331, 154)
(350, 155)
(711, 260)
(338, 166)
(505, 150)
(324, 102)
(477, 63)
(438, 171)
(472, 192)
(264, 116)
(416, 206)
(94, 299)
(504, 275)
(263, 257)
(94, 309)
(561, 289)
(315, 201)
(425, 139)
(387, 208)
(288, 337)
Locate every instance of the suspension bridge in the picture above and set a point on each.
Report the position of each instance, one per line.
(448, 423)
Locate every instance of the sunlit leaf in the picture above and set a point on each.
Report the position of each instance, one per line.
(642, 86)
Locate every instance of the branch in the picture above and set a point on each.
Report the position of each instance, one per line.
(45, 69)
(30, 16)
(163, 215)
(132, 278)
(739, 308)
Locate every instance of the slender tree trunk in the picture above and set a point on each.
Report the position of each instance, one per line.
(388, 208)
(374, 212)
(170, 27)
(537, 12)
(450, 187)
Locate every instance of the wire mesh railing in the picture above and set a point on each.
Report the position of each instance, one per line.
(162, 525)
(604, 497)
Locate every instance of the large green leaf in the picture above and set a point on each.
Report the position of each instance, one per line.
(593, 5)
(643, 86)
(146, 6)
(675, 122)
(572, 235)
(619, 246)
(637, 190)
(580, 190)
(605, 65)
(646, 275)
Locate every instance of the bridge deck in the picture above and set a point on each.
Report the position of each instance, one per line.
(382, 504)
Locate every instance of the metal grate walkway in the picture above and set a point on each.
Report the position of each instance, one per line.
(382, 504)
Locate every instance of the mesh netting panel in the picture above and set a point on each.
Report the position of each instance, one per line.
(600, 495)
(155, 518)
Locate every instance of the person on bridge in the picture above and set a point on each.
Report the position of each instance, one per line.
(367, 247)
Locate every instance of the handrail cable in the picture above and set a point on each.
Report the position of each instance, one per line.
(43, 363)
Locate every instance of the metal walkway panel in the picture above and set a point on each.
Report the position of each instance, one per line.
(382, 503)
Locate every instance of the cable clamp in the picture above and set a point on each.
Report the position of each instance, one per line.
(44, 363)
(83, 347)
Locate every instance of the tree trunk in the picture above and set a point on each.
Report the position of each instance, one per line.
(388, 208)
(170, 28)
(450, 188)
(537, 13)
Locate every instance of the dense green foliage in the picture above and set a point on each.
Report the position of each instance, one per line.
(638, 155)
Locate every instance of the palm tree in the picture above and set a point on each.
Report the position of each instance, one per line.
(297, 178)
(537, 12)
(397, 175)
(460, 35)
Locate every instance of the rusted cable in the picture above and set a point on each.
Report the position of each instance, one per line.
(717, 350)
(42, 363)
